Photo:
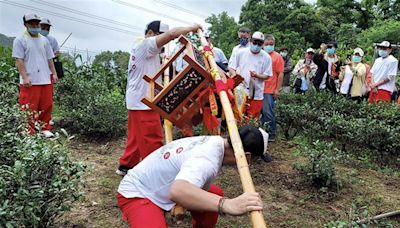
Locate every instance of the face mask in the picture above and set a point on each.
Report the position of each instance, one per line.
(283, 54)
(255, 48)
(243, 41)
(330, 51)
(269, 48)
(383, 53)
(34, 31)
(44, 32)
(356, 59)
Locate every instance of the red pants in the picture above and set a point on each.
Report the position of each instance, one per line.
(253, 108)
(381, 95)
(141, 212)
(39, 99)
(144, 136)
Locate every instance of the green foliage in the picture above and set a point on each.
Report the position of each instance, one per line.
(91, 100)
(117, 59)
(308, 24)
(223, 31)
(320, 163)
(38, 180)
(361, 129)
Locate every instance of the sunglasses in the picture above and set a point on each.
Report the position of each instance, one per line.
(258, 42)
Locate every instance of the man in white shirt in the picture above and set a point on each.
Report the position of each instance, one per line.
(384, 73)
(219, 55)
(144, 126)
(244, 36)
(34, 60)
(182, 172)
(254, 65)
(45, 25)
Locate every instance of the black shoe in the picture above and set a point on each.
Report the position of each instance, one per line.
(271, 138)
(266, 157)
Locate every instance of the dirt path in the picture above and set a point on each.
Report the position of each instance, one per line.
(289, 201)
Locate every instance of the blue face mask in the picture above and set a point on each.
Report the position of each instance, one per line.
(269, 48)
(244, 41)
(383, 53)
(255, 48)
(44, 32)
(34, 31)
(356, 59)
(283, 54)
(330, 51)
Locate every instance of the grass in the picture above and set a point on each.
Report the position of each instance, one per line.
(289, 200)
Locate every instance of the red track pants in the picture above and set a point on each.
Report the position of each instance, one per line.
(39, 99)
(253, 108)
(141, 212)
(145, 135)
(381, 95)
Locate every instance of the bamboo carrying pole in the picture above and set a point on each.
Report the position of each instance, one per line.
(241, 162)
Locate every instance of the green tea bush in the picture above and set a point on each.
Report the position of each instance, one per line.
(319, 166)
(356, 128)
(91, 100)
(38, 180)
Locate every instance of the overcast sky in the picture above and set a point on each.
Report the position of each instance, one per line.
(99, 25)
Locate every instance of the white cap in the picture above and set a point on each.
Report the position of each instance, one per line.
(258, 36)
(31, 17)
(385, 44)
(310, 50)
(164, 27)
(359, 51)
(45, 21)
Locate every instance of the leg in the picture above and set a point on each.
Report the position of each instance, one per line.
(152, 133)
(131, 155)
(141, 212)
(206, 219)
(46, 106)
(254, 108)
(29, 100)
(268, 113)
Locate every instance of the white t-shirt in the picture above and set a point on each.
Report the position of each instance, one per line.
(330, 62)
(144, 60)
(219, 55)
(244, 62)
(193, 159)
(384, 68)
(235, 49)
(348, 76)
(53, 43)
(35, 51)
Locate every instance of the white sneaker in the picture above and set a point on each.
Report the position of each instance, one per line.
(47, 134)
(51, 122)
(120, 173)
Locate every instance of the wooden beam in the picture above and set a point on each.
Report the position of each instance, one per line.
(257, 217)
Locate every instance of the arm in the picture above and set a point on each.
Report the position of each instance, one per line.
(232, 72)
(164, 38)
(279, 84)
(53, 70)
(194, 198)
(22, 71)
(297, 68)
(318, 58)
